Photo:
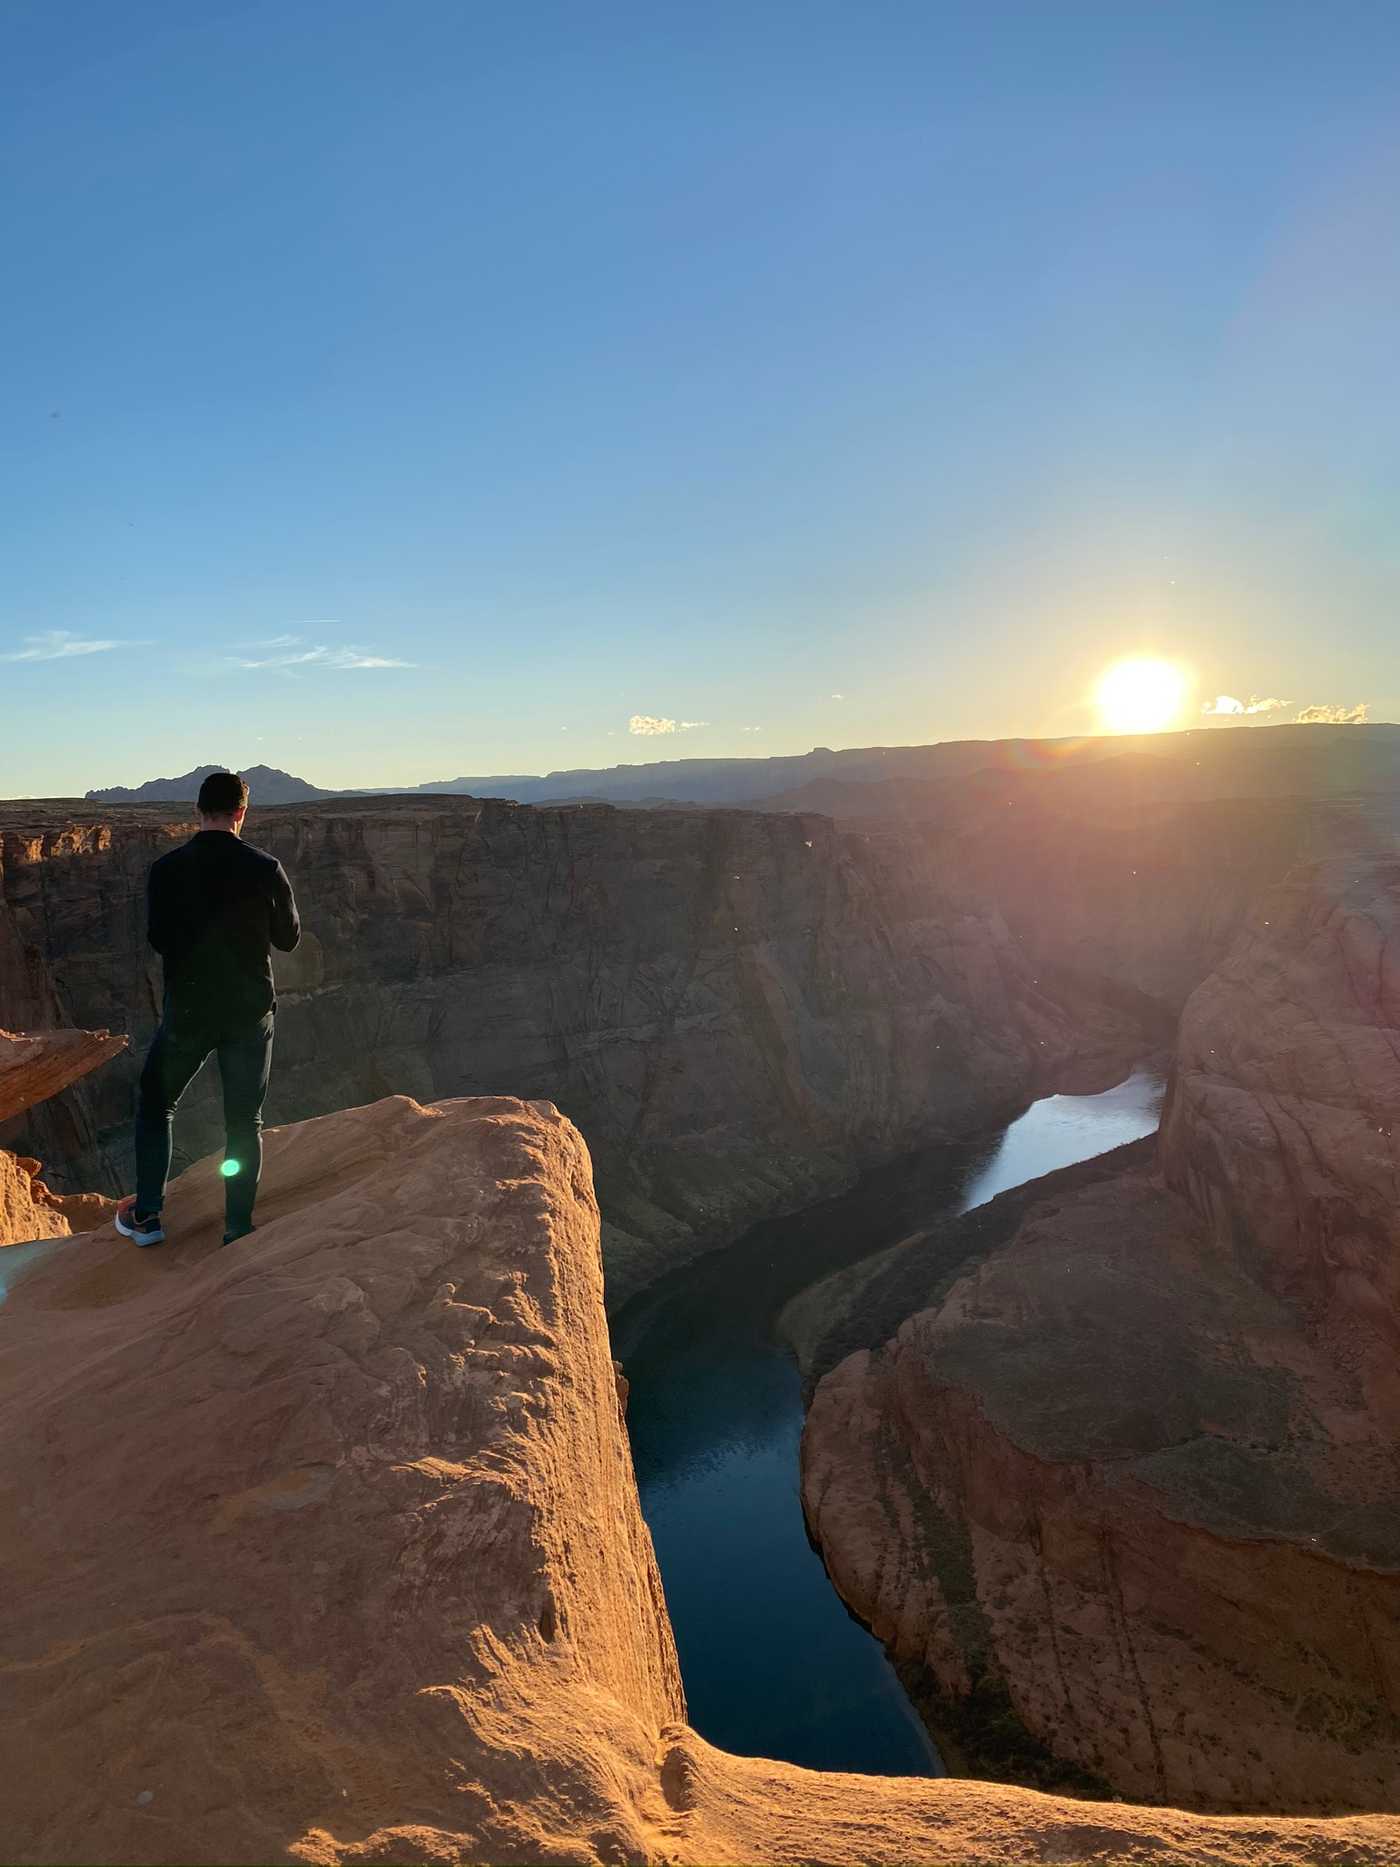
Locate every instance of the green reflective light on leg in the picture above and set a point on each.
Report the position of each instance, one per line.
(229, 1168)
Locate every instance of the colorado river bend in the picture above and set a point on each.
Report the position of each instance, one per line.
(773, 1663)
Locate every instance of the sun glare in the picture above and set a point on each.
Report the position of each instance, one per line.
(1140, 696)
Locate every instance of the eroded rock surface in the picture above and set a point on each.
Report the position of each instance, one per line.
(1130, 1463)
(738, 1010)
(326, 1548)
(33, 1066)
(1283, 1125)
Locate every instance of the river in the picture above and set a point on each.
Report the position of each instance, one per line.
(773, 1663)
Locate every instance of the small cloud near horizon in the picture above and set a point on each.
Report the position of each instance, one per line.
(648, 725)
(61, 644)
(838, 696)
(1335, 716)
(1227, 707)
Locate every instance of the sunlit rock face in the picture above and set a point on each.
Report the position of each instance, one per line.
(33, 1066)
(297, 1573)
(738, 1010)
(1130, 1463)
(325, 1548)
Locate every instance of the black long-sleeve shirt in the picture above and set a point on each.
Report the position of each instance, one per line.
(216, 905)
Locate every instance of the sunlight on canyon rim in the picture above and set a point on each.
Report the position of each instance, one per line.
(1141, 695)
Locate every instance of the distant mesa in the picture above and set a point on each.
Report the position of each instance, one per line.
(265, 782)
(1269, 761)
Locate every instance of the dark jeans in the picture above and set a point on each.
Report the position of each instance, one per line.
(177, 1051)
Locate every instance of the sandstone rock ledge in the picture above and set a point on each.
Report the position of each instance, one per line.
(326, 1548)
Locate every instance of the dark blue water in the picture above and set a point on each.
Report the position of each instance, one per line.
(773, 1664)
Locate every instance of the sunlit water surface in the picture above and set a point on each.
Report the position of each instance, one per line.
(773, 1664)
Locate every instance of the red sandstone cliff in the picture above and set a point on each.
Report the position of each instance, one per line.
(326, 1548)
(35, 1065)
(1132, 1464)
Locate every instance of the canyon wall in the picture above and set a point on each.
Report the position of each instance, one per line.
(325, 1548)
(1123, 1485)
(1283, 1124)
(739, 1010)
(1126, 878)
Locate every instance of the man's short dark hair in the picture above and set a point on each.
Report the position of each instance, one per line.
(222, 793)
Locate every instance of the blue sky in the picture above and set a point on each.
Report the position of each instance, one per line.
(685, 364)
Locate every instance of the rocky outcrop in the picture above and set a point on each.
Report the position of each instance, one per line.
(326, 1548)
(30, 1209)
(1123, 1488)
(35, 1065)
(738, 1010)
(1283, 1125)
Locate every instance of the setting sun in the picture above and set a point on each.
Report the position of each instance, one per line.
(1140, 696)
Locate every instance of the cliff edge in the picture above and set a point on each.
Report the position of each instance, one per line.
(326, 1548)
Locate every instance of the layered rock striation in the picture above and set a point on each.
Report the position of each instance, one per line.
(326, 1548)
(739, 1010)
(1121, 1485)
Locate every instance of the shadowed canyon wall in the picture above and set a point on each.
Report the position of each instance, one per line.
(739, 1010)
(1125, 1463)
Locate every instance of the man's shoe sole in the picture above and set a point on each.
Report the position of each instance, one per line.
(136, 1236)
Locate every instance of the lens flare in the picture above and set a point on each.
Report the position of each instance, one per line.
(229, 1168)
(1140, 696)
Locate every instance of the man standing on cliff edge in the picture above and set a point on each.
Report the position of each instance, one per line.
(215, 908)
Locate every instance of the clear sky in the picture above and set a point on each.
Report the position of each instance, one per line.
(785, 374)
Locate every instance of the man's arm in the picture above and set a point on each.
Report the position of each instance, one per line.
(286, 923)
(158, 927)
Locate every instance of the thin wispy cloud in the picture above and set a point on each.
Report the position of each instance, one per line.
(838, 696)
(1335, 716)
(62, 644)
(289, 655)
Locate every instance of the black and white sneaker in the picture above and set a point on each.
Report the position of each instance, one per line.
(141, 1231)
